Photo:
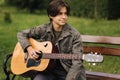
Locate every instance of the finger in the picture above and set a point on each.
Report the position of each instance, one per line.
(34, 55)
(31, 55)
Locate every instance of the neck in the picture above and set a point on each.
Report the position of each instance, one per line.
(57, 27)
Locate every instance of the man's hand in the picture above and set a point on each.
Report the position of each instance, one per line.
(32, 52)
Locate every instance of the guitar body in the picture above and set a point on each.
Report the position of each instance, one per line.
(18, 63)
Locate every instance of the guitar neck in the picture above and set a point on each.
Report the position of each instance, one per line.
(61, 56)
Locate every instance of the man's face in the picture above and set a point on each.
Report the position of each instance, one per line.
(61, 18)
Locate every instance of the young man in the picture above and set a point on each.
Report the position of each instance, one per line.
(63, 36)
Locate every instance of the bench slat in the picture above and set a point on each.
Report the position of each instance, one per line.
(102, 76)
(101, 39)
(102, 50)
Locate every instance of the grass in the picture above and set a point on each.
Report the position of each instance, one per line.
(22, 20)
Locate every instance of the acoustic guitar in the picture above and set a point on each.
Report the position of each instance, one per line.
(22, 63)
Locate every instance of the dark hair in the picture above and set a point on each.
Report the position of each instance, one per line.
(55, 6)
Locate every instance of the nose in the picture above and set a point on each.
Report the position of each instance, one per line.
(64, 16)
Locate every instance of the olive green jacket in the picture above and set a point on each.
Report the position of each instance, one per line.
(69, 42)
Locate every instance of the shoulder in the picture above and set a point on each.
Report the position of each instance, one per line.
(43, 25)
(72, 30)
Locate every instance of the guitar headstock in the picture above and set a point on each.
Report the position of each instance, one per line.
(90, 57)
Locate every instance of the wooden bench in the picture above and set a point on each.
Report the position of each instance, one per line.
(104, 50)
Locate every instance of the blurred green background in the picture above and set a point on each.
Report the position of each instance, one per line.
(92, 17)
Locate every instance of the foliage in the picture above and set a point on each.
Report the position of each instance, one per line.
(30, 5)
(89, 8)
(114, 9)
(109, 9)
(7, 17)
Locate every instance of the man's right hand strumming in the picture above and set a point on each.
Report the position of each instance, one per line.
(32, 52)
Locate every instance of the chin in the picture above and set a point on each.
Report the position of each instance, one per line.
(62, 24)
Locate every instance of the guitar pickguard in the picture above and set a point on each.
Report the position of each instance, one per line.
(32, 63)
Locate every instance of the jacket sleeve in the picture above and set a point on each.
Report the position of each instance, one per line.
(76, 72)
(24, 35)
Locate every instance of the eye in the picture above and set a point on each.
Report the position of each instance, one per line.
(66, 13)
(60, 13)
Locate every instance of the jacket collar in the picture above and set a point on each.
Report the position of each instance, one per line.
(66, 31)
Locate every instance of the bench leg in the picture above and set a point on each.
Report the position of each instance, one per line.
(5, 69)
(13, 77)
(7, 73)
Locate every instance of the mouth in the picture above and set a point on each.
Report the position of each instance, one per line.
(63, 21)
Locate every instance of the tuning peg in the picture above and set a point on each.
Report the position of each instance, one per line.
(93, 64)
(91, 52)
(89, 64)
(96, 53)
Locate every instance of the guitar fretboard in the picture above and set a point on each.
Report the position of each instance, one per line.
(61, 56)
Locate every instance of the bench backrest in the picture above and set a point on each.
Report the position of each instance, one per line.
(105, 40)
(105, 45)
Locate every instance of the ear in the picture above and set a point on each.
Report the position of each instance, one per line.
(50, 17)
